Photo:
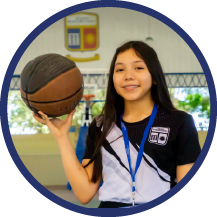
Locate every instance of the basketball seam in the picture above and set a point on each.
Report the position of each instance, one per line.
(56, 100)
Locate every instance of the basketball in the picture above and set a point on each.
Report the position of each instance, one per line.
(51, 83)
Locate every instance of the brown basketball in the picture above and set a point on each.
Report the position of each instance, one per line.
(51, 83)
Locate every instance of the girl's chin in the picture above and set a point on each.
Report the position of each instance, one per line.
(131, 98)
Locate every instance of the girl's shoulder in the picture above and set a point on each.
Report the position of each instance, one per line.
(96, 122)
(95, 126)
(99, 120)
(179, 116)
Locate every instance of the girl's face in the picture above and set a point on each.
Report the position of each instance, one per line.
(131, 77)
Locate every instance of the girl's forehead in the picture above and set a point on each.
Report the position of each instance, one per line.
(127, 58)
(128, 55)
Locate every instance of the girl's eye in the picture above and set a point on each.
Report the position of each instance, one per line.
(118, 70)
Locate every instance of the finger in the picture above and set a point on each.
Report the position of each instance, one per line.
(46, 119)
(70, 116)
(72, 112)
(38, 115)
(38, 118)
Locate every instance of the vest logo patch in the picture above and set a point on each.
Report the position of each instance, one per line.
(159, 135)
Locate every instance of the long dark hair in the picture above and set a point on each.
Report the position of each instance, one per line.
(114, 103)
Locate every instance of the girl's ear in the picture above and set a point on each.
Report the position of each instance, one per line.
(154, 82)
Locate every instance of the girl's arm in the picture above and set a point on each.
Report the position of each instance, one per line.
(78, 177)
(182, 170)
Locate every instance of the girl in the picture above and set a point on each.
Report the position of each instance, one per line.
(140, 145)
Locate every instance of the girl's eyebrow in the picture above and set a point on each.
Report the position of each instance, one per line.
(132, 62)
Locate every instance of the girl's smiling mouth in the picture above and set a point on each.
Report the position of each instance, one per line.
(130, 87)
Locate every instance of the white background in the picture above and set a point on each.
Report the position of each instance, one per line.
(18, 197)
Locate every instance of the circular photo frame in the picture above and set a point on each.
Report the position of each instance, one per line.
(28, 41)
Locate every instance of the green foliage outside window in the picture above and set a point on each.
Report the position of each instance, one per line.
(196, 103)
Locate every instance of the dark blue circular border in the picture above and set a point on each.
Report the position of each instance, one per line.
(6, 84)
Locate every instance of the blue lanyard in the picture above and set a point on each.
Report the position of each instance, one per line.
(140, 154)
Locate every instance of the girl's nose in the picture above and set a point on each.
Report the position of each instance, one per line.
(129, 74)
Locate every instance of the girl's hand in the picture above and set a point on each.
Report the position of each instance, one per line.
(58, 128)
